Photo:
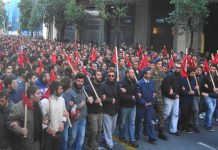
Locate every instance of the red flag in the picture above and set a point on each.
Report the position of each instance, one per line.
(77, 55)
(27, 102)
(214, 59)
(54, 59)
(84, 71)
(129, 65)
(20, 59)
(47, 94)
(206, 66)
(41, 66)
(171, 63)
(52, 77)
(25, 57)
(191, 63)
(143, 63)
(165, 51)
(114, 59)
(1, 85)
(139, 52)
(184, 67)
(93, 55)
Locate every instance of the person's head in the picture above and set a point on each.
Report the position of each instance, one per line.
(177, 68)
(21, 72)
(93, 66)
(54, 68)
(8, 72)
(121, 62)
(191, 72)
(111, 76)
(97, 76)
(3, 99)
(36, 69)
(44, 77)
(158, 64)
(30, 78)
(146, 73)
(33, 93)
(199, 70)
(79, 80)
(66, 82)
(130, 74)
(213, 69)
(56, 88)
(100, 59)
(104, 66)
(10, 83)
(135, 64)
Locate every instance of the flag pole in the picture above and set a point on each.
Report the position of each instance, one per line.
(186, 63)
(197, 84)
(25, 112)
(118, 77)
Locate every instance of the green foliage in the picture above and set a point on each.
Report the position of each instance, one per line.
(25, 11)
(111, 10)
(186, 9)
(74, 12)
(2, 14)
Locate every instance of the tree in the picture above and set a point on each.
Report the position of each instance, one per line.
(75, 14)
(2, 15)
(25, 7)
(187, 12)
(112, 11)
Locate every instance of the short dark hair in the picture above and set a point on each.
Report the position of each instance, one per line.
(54, 86)
(4, 94)
(28, 76)
(80, 76)
(95, 72)
(31, 90)
(21, 71)
(8, 81)
(66, 82)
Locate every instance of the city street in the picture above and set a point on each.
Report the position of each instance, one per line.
(186, 141)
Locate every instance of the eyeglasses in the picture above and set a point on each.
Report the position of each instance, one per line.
(111, 75)
(178, 67)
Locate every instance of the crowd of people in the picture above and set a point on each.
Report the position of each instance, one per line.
(64, 96)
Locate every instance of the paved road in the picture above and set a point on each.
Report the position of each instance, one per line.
(186, 141)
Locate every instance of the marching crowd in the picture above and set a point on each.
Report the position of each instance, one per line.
(64, 96)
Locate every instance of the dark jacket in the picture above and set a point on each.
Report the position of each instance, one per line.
(4, 134)
(207, 80)
(147, 89)
(171, 81)
(126, 99)
(110, 89)
(94, 108)
(184, 94)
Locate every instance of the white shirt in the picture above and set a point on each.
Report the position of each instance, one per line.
(53, 110)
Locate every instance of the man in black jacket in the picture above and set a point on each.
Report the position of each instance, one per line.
(127, 92)
(94, 111)
(110, 107)
(170, 90)
(5, 108)
(210, 92)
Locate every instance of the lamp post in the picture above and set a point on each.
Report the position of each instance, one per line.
(3, 21)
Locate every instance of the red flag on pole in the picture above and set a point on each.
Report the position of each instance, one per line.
(20, 59)
(206, 66)
(143, 63)
(41, 66)
(114, 59)
(165, 51)
(139, 52)
(184, 67)
(171, 63)
(84, 71)
(52, 77)
(93, 55)
(129, 65)
(54, 59)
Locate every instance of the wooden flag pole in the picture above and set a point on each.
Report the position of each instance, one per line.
(25, 112)
(212, 80)
(197, 84)
(118, 77)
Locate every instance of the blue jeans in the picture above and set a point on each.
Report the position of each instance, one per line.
(127, 114)
(211, 105)
(76, 138)
(65, 136)
(171, 106)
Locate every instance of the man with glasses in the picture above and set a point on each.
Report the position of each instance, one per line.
(110, 107)
(170, 90)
